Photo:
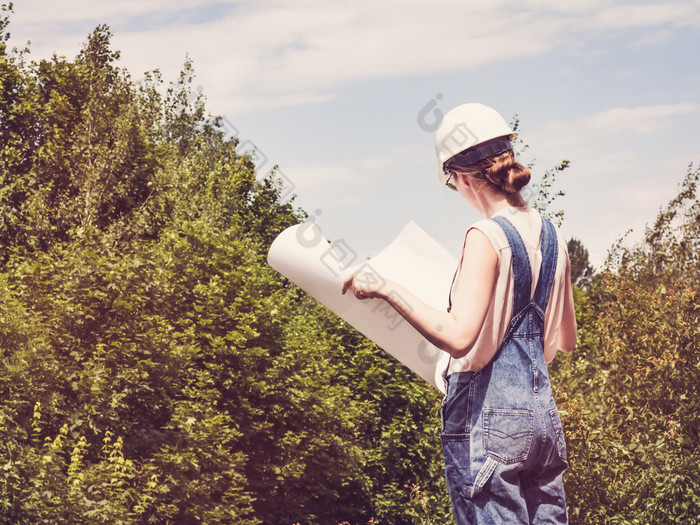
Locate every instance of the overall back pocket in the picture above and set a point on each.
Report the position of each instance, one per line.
(508, 434)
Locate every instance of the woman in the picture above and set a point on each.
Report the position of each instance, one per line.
(511, 308)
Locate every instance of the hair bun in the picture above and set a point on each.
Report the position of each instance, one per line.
(507, 174)
(518, 177)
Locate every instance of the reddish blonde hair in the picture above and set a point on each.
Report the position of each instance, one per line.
(500, 171)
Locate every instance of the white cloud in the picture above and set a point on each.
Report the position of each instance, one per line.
(271, 53)
(639, 120)
(651, 39)
(566, 6)
(647, 15)
(300, 54)
(296, 52)
(344, 171)
(565, 72)
(40, 13)
(589, 133)
(354, 170)
(622, 169)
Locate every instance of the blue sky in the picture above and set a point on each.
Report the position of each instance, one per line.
(331, 92)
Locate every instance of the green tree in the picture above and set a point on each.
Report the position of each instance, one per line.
(102, 356)
(581, 269)
(155, 368)
(630, 396)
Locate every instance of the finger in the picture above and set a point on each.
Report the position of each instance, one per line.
(347, 284)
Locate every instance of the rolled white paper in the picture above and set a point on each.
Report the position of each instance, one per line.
(414, 259)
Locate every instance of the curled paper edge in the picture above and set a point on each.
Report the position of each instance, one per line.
(413, 259)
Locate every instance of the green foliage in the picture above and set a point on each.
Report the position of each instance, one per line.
(541, 195)
(125, 216)
(155, 369)
(581, 269)
(629, 391)
(545, 196)
(401, 429)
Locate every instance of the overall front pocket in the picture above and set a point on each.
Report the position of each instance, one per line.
(559, 432)
(455, 411)
(508, 434)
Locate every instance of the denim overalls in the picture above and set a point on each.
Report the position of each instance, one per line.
(502, 438)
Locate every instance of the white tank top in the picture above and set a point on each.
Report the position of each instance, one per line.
(529, 224)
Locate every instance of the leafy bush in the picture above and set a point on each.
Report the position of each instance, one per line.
(156, 370)
(629, 392)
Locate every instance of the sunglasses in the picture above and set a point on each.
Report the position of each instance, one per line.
(449, 182)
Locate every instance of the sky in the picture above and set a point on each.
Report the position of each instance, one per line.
(344, 97)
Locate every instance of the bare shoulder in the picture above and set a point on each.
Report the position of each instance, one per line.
(478, 240)
(478, 250)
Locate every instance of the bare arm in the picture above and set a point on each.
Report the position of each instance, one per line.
(568, 330)
(455, 331)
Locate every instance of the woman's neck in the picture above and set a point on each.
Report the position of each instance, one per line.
(494, 202)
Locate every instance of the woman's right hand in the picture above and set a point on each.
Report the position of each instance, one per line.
(364, 285)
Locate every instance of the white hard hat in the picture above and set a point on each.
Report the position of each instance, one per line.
(468, 127)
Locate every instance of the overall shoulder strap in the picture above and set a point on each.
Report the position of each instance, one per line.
(549, 245)
(522, 273)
